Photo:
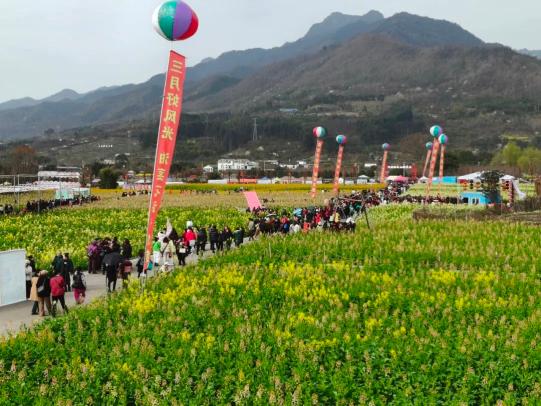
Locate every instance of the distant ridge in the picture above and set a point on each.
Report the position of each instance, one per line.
(343, 58)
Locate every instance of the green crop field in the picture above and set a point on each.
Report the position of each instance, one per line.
(71, 230)
(427, 312)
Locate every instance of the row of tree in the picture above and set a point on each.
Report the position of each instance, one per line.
(528, 159)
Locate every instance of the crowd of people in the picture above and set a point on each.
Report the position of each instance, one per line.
(43, 205)
(47, 289)
(112, 259)
(194, 240)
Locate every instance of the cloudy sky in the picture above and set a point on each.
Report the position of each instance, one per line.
(49, 45)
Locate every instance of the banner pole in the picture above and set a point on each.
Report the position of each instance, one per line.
(315, 172)
(336, 187)
(167, 135)
(435, 150)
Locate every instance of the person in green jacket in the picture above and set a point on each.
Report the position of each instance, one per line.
(156, 252)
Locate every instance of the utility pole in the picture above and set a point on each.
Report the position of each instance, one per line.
(255, 135)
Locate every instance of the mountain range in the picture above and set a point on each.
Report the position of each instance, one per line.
(340, 66)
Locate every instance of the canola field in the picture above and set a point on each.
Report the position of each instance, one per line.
(429, 312)
(71, 230)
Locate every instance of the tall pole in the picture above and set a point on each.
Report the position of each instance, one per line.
(383, 175)
(436, 131)
(443, 141)
(341, 140)
(429, 147)
(319, 133)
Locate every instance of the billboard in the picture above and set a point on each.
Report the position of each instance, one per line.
(12, 277)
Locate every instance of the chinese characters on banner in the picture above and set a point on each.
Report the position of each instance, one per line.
(336, 188)
(167, 136)
(383, 173)
(315, 173)
(435, 150)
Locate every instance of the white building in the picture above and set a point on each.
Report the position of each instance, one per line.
(225, 165)
(208, 169)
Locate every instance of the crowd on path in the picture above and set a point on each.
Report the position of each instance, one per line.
(42, 205)
(47, 289)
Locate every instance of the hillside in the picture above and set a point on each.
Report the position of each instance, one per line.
(376, 66)
(211, 77)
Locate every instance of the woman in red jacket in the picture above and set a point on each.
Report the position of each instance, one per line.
(58, 289)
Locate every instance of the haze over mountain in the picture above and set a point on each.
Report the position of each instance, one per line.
(534, 53)
(342, 59)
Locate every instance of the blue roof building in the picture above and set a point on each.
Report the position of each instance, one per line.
(476, 198)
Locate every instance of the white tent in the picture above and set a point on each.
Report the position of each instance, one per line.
(471, 176)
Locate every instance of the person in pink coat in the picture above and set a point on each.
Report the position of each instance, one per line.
(58, 289)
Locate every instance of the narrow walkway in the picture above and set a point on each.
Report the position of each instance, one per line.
(14, 317)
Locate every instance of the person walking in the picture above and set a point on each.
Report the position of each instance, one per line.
(140, 264)
(43, 288)
(201, 241)
(111, 266)
(127, 249)
(58, 263)
(213, 237)
(169, 255)
(28, 276)
(181, 251)
(93, 254)
(34, 294)
(79, 286)
(58, 290)
(126, 268)
(238, 236)
(190, 239)
(227, 236)
(67, 271)
(156, 252)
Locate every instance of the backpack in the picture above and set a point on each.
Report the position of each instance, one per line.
(43, 286)
(78, 282)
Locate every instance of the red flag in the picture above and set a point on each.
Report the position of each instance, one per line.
(383, 173)
(336, 187)
(442, 162)
(428, 153)
(167, 136)
(315, 173)
(435, 150)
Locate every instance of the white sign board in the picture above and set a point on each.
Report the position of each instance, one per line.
(12, 277)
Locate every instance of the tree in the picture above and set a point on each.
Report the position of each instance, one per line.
(96, 167)
(530, 161)
(23, 160)
(490, 185)
(108, 178)
(122, 161)
(509, 155)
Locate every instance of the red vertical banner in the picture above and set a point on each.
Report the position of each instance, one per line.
(428, 153)
(383, 173)
(167, 136)
(435, 150)
(315, 172)
(442, 160)
(336, 187)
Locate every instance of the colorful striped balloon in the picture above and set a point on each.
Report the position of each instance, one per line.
(443, 139)
(175, 21)
(436, 131)
(386, 147)
(341, 139)
(429, 145)
(320, 132)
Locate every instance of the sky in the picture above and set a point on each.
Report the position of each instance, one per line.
(50, 45)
